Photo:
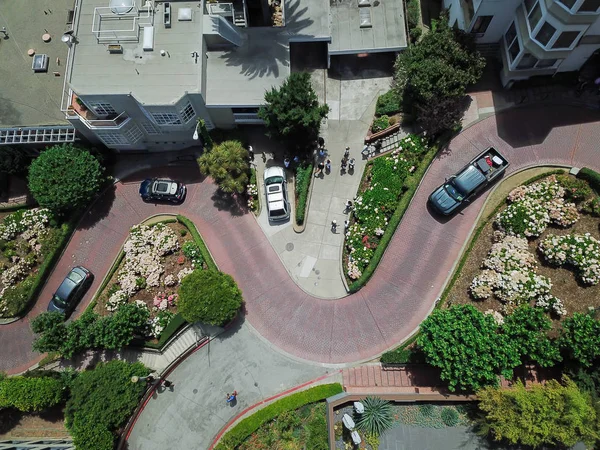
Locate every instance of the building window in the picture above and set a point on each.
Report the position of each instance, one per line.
(110, 138)
(134, 134)
(527, 62)
(102, 109)
(166, 118)
(481, 24)
(534, 15)
(565, 39)
(187, 113)
(149, 128)
(589, 6)
(568, 3)
(512, 42)
(545, 63)
(580, 6)
(545, 33)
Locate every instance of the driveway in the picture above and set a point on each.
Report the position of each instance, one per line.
(402, 291)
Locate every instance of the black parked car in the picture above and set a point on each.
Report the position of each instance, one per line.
(162, 190)
(71, 290)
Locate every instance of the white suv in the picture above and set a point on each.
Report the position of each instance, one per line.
(278, 207)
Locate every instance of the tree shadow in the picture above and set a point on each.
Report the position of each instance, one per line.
(352, 67)
(265, 49)
(234, 204)
(99, 210)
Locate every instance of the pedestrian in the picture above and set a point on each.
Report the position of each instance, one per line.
(321, 142)
(343, 165)
(320, 168)
(150, 379)
(346, 225)
(347, 153)
(168, 384)
(322, 153)
(328, 166)
(286, 162)
(348, 206)
(296, 159)
(334, 226)
(250, 153)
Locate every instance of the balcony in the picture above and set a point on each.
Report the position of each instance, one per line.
(77, 109)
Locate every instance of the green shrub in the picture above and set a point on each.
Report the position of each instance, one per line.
(238, 434)
(413, 13)
(449, 416)
(388, 104)
(592, 206)
(576, 190)
(183, 232)
(303, 179)
(592, 177)
(416, 33)
(199, 241)
(378, 416)
(397, 356)
(192, 252)
(100, 403)
(17, 297)
(318, 437)
(380, 124)
(31, 394)
(427, 410)
(209, 296)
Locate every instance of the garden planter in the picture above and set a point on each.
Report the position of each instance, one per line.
(372, 137)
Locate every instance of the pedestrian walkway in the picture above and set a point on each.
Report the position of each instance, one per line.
(379, 379)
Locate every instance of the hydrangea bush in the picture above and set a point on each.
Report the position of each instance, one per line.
(374, 206)
(579, 251)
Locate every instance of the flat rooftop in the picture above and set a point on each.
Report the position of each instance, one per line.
(29, 99)
(384, 27)
(148, 76)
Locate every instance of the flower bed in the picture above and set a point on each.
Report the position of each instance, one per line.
(28, 242)
(376, 201)
(252, 192)
(156, 258)
(523, 256)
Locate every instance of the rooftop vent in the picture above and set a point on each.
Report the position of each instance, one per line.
(184, 14)
(120, 7)
(364, 3)
(364, 14)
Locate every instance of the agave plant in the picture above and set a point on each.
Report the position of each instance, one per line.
(378, 416)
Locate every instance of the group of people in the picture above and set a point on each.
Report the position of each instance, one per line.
(324, 164)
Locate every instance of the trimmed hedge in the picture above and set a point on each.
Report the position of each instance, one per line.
(31, 394)
(408, 191)
(388, 104)
(208, 259)
(303, 179)
(592, 177)
(249, 425)
(401, 354)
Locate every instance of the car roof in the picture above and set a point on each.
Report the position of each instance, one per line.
(65, 288)
(274, 172)
(469, 179)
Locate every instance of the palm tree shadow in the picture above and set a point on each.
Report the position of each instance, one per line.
(236, 205)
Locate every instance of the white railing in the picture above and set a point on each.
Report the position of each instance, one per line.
(101, 124)
(221, 9)
(247, 118)
(136, 17)
(227, 31)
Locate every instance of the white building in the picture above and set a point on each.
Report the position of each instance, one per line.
(140, 73)
(536, 37)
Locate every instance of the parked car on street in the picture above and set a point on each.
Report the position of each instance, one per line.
(71, 290)
(278, 207)
(481, 171)
(162, 190)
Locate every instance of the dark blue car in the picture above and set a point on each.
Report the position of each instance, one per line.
(70, 291)
(153, 189)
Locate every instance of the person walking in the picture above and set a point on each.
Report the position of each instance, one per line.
(250, 153)
(348, 207)
(320, 168)
(286, 162)
(328, 166)
(168, 384)
(321, 142)
(334, 226)
(346, 225)
(343, 165)
(347, 153)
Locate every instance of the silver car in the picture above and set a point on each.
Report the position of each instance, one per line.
(278, 207)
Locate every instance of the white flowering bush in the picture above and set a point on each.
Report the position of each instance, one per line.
(115, 300)
(551, 304)
(157, 324)
(498, 317)
(579, 251)
(170, 280)
(511, 253)
(143, 251)
(184, 273)
(25, 219)
(532, 208)
(252, 192)
(375, 205)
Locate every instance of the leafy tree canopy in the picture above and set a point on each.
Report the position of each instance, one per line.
(31, 394)
(209, 296)
(550, 414)
(101, 401)
(13, 161)
(580, 339)
(292, 113)
(227, 164)
(64, 178)
(468, 348)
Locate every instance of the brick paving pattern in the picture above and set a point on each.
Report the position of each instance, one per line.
(402, 291)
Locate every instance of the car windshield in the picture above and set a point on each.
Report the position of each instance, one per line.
(59, 301)
(75, 277)
(453, 192)
(273, 180)
(277, 212)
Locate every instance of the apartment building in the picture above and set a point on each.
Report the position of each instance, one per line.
(141, 73)
(534, 37)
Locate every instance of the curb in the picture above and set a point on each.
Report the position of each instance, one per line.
(258, 406)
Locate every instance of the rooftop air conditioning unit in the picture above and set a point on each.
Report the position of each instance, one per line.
(364, 3)
(364, 16)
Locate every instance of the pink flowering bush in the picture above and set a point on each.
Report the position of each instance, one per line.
(162, 301)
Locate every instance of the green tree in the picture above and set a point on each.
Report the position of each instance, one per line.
(552, 414)
(116, 331)
(466, 345)
(52, 332)
(100, 403)
(292, 113)
(580, 339)
(433, 75)
(526, 328)
(227, 164)
(209, 296)
(31, 394)
(13, 161)
(64, 178)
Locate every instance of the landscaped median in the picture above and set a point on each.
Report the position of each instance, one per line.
(304, 176)
(280, 421)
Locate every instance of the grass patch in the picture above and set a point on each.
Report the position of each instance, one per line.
(302, 185)
(238, 434)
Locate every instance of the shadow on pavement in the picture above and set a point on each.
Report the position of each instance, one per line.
(99, 210)
(235, 205)
(352, 67)
(520, 127)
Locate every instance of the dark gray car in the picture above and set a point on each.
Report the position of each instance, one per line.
(70, 291)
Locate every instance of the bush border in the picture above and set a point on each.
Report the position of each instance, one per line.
(305, 193)
(482, 222)
(592, 177)
(240, 432)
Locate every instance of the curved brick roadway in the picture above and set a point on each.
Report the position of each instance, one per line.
(401, 292)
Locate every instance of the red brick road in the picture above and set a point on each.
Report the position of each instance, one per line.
(403, 289)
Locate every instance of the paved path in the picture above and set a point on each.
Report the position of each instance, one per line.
(192, 414)
(402, 291)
